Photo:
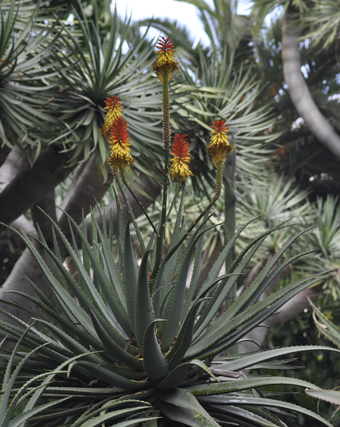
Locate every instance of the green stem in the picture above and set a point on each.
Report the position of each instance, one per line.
(229, 228)
(166, 140)
(230, 205)
(133, 219)
(178, 187)
(218, 188)
(135, 197)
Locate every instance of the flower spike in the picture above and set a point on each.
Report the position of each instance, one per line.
(165, 60)
(120, 156)
(181, 156)
(114, 105)
(219, 146)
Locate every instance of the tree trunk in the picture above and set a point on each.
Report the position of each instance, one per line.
(80, 199)
(298, 89)
(256, 338)
(28, 186)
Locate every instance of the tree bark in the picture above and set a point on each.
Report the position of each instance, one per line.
(148, 186)
(87, 182)
(27, 187)
(4, 152)
(256, 338)
(84, 193)
(14, 162)
(287, 312)
(298, 89)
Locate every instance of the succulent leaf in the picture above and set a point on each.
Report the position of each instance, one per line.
(130, 277)
(143, 308)
(155, 364)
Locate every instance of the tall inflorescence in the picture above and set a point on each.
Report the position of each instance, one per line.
(116, 132)
(180, 158)
(218, 150)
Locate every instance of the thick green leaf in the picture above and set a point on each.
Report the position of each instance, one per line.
(130, 277)
(104, 283)
(175, 301)
(183, 399)
(175, 377)
(247, 361)
(261, 310)
(260, 401)
(332, 396)
(116, 380)
(184, 339)
(100, 420)
(245, 384)
(107, 406)
(116, 352)
(112, 267)
(28, 415)
(325, 326)
(67, 326)
(143, 308)
(179, 415)
(155, 364)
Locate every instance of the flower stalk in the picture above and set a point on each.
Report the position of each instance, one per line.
(218, 151)
(164, 67)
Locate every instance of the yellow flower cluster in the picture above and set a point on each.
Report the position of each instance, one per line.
(120, 156)
(181, 157)
(166, 60)
(219, 146)
(116, 132)
(114, 105)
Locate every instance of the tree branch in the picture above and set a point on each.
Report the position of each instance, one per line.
(14, 162)
(84, 192)
(298, 89)
(28, 186)
(148, 186)
(47, 204)
(26, 265)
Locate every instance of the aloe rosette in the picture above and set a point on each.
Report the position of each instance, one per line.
(125, 343)
(115, 346)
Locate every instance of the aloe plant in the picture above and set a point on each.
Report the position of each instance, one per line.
(125, 343)
(331, 332)
(110, 342)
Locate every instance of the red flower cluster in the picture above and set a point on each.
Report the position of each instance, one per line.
(219, 146)
(120, 141)
(181, 156)
(113, 102)
(220, 126)
(165, 45)
(165, 61)
(180, 146)
(119, 132)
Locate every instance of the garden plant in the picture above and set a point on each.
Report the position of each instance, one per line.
(128, 342)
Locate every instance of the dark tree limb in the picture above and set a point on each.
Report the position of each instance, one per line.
(298, 89)
(4, 152)
(46, 205)
(26, 265)
(84, 193)
(287, 312)
(27, 187)
(12, 165)
(147, 185)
